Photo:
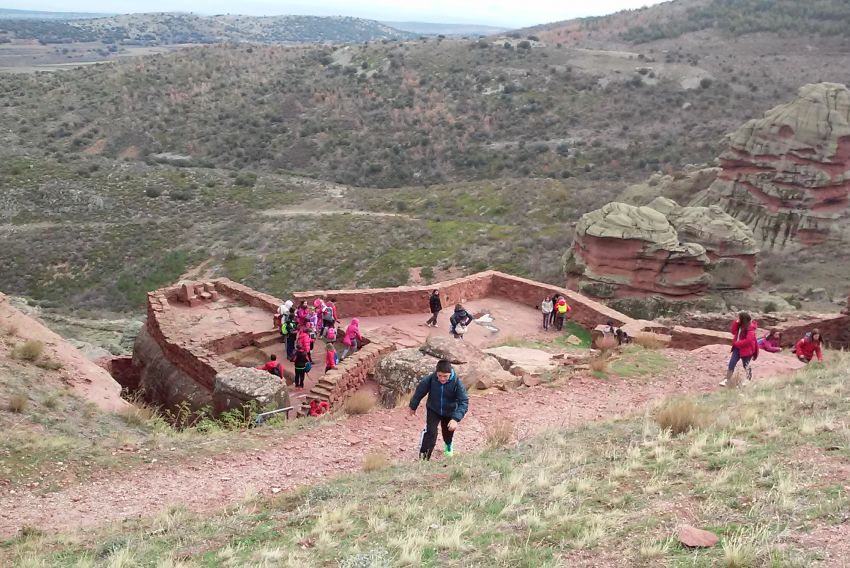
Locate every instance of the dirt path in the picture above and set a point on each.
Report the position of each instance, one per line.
(339, 447)
(301, 211)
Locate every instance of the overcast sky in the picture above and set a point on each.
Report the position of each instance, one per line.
(508, 13)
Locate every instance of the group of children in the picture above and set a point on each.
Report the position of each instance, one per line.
(555, 311)
(302, 326)
(746, 346)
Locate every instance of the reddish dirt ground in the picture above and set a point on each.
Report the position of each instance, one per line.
(339, 447)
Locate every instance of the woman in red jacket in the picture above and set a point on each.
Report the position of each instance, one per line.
(744, 346)
(809, 347)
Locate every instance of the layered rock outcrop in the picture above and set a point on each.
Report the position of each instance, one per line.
(787, 174)
(677, 252)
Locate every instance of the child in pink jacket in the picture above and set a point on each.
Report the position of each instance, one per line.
(352, 339)
(771, 342)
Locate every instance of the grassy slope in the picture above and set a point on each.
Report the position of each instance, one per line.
(606, 493)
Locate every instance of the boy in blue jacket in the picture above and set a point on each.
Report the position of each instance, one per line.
(447, 404)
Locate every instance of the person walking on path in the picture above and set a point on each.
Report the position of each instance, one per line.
(436, 307)
(745, 347)
(546, 308)
(352, 339)
(447, 405)
(555, 298)
(809, 346)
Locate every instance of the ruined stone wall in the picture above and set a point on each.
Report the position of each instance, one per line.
(835, 330)
(337, 385)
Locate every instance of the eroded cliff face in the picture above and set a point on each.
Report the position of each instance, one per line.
(161, 381)
(787, 175)
(664, 249)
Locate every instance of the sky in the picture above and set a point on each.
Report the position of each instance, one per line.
(506, 13)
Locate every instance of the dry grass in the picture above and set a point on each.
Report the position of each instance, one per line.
(17, 403)
(403, 401)
(600, 363)
(375, 461)
(138, 414)
(11, 330)
(49, 364)
(680, 416)
(359, 403)
(29, 351)
(649, 341)
(500, 433)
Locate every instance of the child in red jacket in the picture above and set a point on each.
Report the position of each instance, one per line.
(745, 346)
(809, 346)
(330, 357)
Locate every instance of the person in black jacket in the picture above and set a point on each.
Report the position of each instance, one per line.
(436, 307)
(447, 405)
(460, 317)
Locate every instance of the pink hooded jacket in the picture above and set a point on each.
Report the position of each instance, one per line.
(352, 332)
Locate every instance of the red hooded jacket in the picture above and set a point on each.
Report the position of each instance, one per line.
(808, 349)
(745, 341)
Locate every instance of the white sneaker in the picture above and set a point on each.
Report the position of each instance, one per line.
(723, 383)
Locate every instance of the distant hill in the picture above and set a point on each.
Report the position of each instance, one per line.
(175, 28)
(722, 18)
(427, 28)
(7, 14)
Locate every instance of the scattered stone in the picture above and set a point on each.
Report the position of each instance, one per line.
(696, 538)
(531, 381)
(573, 340)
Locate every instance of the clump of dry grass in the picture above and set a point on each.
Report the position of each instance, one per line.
(649, 341)
(11, 330)
(375, 461)
(28, 351)
(17, 403)
(599, 364)
(403, 401)
(499, 433)
(359, 403)
(49, 364)
(679, 416)
(138, 414)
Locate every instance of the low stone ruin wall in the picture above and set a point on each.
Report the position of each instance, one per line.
(337, 385)
(414, 299)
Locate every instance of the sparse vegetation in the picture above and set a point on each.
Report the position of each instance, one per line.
(18, 403)
(597, 493)
(375, 461)
(360, 403)
(500, 433)
(680, 416)
(30, 351)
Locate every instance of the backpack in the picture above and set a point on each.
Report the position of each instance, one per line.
(460, 329)
(308, 367)
(562, 307)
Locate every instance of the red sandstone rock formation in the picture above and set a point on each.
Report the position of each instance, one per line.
(663, 249)
(87, 380)
(787, 175)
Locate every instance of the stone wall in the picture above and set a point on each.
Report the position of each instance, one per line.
(338, 384)
(414, 299)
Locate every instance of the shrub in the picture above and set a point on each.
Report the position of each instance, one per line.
(18, 403)
(138, 414)
(359, 403)
(49, 364)
(599, 364)
(649, 342)
(679, 416)
(375, 461)
(499, 433)
(29, 351)
(770, 307)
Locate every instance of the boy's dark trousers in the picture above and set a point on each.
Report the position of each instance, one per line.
(429, 435)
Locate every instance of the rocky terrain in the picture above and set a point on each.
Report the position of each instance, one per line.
(787, 175)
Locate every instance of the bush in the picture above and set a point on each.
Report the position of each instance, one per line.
(679, 416)
(499, 433)
(599, 364)
(649, 342)
(49, 364)
(29, 351)
(375, 461)
(359, 403)
(17, 403)
(138, 414)
(770, 307)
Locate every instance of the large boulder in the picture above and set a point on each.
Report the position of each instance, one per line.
(621, 250)
(729, 243)
(524, 360)
(787, 174)
(239, 386)
(399, 372)
(455, 351)
(486, 373)
(662, 249)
